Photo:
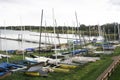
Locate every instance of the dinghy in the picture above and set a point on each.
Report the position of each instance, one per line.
(43, 59)
(36, 70)
(84, 59)
(66, 66)
(61, 70)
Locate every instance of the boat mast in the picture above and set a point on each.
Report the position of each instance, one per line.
(68, 39)
(48, 36)
(40, 30)
(109, 34)
(54, 33)
(99, 30)
(0, 40)
(114, 32)
(63, 27)
(89, 34)
(45, 35)
(119, 33)
(58, 37)
(20, 36)
(73, 39)
(78, 29)
(5, 41)
(20, 23)
(105, 35)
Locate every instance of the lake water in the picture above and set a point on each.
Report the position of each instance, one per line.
(49, 38)
(16, 45)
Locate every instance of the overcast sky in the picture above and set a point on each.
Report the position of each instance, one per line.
(89, 12)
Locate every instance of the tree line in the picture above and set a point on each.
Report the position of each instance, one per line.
(109, 28)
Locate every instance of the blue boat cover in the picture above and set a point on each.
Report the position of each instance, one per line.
(79, 51)
(30, 49)
(2, 73)
(77, 42)
(107, 45)
(11, 51)
(6, 66)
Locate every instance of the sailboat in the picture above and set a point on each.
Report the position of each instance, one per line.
(5, 66)
(39, 59)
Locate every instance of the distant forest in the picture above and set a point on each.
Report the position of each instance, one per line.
(91, 30)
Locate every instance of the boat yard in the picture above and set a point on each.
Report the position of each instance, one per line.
(57, 56)
(48, 64)
(70, 56)
(45, 52)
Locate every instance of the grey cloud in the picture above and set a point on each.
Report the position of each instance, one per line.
(115, 2)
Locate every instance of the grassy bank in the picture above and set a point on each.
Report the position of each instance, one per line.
(89, 71)
(116, 74)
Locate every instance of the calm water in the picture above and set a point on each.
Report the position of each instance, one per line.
(15, 45)
(34, 36)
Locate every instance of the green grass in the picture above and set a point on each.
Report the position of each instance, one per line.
(95, 69)
(116, 74)
(88, 71)
(84, 72)
(116, 51)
